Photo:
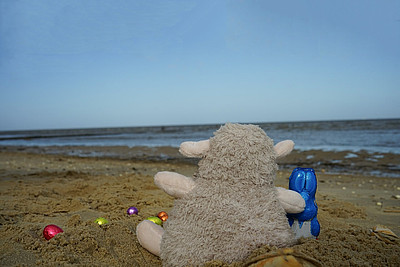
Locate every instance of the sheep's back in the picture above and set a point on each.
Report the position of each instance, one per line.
(221, 224)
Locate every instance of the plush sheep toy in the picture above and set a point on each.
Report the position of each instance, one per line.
(230, 207)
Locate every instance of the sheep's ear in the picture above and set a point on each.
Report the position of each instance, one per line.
(283, 148)
(194, 149)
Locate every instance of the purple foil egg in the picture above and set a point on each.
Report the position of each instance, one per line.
(132, 210)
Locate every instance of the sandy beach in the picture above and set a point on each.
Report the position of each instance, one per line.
(71, 187)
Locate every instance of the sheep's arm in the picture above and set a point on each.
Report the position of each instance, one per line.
(149, 236)
(291, 201)
(174, 184)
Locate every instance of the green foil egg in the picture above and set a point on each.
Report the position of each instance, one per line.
(155, 220)
(101, 221)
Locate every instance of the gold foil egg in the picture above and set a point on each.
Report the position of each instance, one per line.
(162, 215)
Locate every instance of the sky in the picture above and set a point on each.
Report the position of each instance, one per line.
(83, 64)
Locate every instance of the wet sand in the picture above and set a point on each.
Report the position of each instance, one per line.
(41, 186)
(339, 162)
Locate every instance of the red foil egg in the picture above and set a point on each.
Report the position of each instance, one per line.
(51, 231)
(162, 215)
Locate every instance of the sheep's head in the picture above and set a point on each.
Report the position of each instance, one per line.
(238, 154)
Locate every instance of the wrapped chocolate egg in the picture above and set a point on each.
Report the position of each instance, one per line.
(51, 231)
(155, 220)
(162, 215)
(101, 221)
(132, 210)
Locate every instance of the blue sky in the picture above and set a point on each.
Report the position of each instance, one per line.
(73, 64)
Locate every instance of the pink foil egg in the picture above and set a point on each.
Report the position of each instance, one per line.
(51, 231)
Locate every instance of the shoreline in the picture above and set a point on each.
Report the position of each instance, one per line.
(331, 162)
(37, 189)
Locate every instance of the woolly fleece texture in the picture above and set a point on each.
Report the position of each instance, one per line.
(233, 209)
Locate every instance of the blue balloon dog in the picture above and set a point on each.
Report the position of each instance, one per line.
(304, 182)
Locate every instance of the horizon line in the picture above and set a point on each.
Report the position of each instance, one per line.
(189, 125)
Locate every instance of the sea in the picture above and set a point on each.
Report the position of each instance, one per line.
(382, 136)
